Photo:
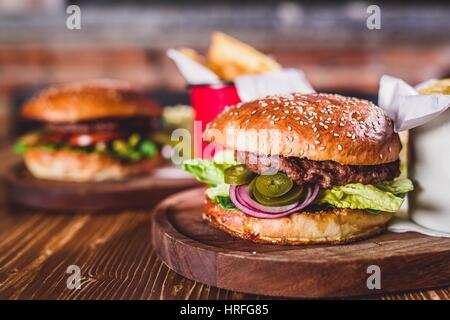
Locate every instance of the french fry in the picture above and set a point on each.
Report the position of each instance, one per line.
(437, 87)
(193, 55)
(230, 58)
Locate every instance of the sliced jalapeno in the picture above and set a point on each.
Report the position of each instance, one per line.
(237, 175)
(292, 196)
(273, 185)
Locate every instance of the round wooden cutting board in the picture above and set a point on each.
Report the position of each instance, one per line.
(199, 252)
(139, 192)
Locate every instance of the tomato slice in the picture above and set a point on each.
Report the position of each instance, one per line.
(88, 139)
(53, 138)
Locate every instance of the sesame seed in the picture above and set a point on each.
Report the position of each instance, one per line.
(272, 122)
(316, 141)
(254, 111)
(322, 148)
(381, 156)
(339, 147)
(335, 134)
(289, 128)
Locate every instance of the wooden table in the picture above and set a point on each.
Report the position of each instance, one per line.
(113, 251)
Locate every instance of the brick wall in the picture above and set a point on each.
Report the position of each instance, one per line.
(339, 69)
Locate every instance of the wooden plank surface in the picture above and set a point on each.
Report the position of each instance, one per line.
(113, 251)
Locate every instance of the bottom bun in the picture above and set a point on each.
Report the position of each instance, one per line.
(333, 226)
(66, 165)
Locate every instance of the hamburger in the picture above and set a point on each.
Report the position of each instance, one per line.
(90, 131)
(302, 169)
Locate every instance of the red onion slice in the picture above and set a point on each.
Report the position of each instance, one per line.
(243, 195)
(240, 196)
(251, 212)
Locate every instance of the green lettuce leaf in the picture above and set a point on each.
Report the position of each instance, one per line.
(20, 147)
(386, 196)
(134, 148)
(225, 203)
(209, 171)
(397, 187)
(221, 190)
(212, 173)
(206, 171)
(220, 195)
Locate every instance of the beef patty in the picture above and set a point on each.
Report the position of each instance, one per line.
(136, 124)
(326, 173)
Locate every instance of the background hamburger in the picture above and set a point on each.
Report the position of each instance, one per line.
(335, 161)
(90, 131)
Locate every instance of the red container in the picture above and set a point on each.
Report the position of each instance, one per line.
(208, 101)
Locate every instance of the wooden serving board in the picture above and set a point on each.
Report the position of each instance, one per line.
(140, 192)
(199, 252)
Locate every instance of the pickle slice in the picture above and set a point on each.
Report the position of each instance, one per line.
(237, 175)
(291, 196)
(273, 186)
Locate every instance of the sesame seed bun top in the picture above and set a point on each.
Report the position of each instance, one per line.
(89, 100)
(314, 126)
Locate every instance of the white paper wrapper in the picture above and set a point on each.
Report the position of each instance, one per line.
(406, 107)
(249, 87)
(429, 118)
(285, 81)
(193, 72)
(401, 225)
